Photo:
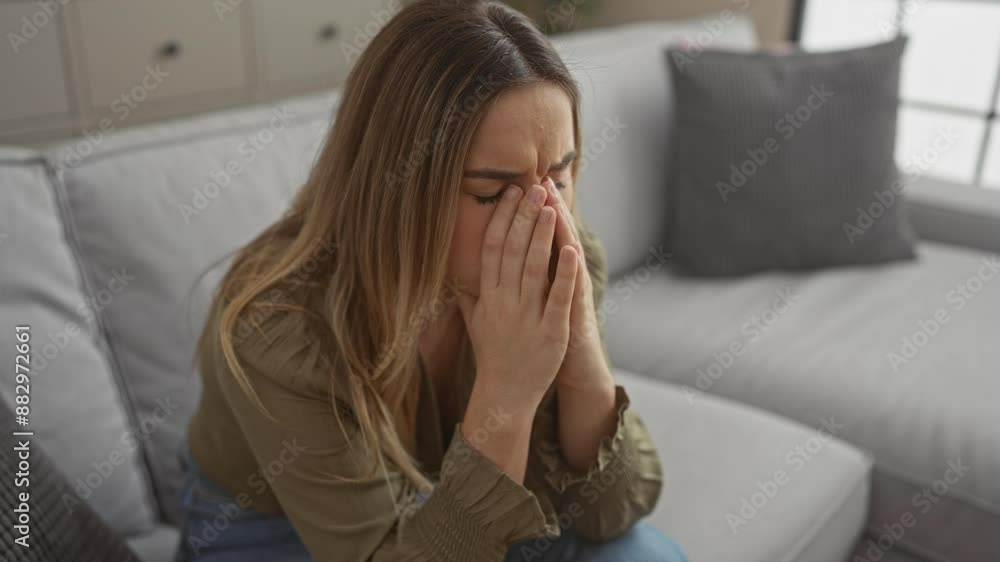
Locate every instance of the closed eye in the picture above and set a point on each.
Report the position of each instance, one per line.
(494, 199)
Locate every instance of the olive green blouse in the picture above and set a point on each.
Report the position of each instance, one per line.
(475, 511)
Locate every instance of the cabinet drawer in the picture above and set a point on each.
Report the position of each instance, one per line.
(147, 49)
(314, 40)
(31, 64)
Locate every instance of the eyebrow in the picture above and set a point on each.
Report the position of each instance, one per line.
(495, 174)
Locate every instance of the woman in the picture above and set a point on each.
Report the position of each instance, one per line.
(407, 365)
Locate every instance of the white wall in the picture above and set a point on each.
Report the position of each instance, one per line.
(772, 18)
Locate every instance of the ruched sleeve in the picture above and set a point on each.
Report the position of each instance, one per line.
(620, 487)
(473, 514)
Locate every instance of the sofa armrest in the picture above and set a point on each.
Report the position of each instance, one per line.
(955, 214)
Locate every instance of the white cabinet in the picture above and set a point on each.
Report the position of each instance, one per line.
(133, 61)
(312, 41)
(149, 49)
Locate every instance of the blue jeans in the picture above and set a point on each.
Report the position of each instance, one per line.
(215, 529)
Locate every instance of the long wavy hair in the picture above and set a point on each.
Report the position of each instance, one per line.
(380, 205)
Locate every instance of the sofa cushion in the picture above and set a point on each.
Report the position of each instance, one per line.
(627, 113)
(744, 484)
(903, 354)
(159, 545)
(158, 206)
(76, 412)
(785, 161)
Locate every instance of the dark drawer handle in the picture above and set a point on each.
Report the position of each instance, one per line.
(327, 32)
(170, 49)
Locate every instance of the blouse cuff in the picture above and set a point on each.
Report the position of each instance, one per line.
(616, 447)
(477, 507)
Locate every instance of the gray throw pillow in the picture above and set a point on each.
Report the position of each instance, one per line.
(786, 161)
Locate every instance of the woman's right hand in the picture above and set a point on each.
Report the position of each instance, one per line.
(519, 326)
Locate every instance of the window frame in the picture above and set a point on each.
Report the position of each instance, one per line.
(990, 118)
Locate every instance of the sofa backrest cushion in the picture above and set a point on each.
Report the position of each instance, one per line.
(154, 207)
(75, 409)
(627, 116)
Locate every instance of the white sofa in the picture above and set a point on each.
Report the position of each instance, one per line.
(105, 237)
(903, 355)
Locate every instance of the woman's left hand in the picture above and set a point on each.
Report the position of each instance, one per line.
(584, 365)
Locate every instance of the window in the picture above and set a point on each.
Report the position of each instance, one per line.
(950, 83)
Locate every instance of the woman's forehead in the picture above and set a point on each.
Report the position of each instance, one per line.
(525, 123)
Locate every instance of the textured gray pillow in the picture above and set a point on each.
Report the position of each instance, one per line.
(785, 161)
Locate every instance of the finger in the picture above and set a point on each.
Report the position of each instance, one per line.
(563, 236)
(561, 201)
(466, 304)
(495, 237)
(557, 309)
(515, 249)
(536, 266)
(581, 286)
(566, 231)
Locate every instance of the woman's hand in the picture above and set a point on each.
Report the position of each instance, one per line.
(584, 366)
(519, 327)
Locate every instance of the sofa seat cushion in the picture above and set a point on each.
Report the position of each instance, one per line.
(744, 484)
(903, 355)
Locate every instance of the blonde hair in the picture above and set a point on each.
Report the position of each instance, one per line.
(382, 198)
